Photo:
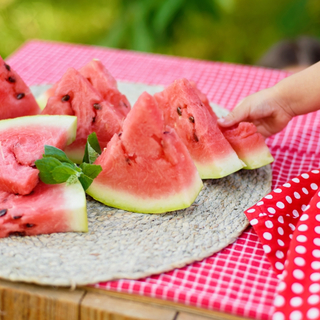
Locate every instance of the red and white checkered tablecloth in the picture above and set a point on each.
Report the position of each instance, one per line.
(239, 279)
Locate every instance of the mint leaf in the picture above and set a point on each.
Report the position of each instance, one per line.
(92, 149)
(62, 173)
(45, 167)
(90, 170)
(54, 152)
(85, 181)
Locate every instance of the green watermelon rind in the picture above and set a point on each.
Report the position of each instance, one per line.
(219, 169)
(129, 202)
(76, 206)
(258, 158)
(68, 122)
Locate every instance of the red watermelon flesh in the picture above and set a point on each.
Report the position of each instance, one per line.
(102, 80)
(249, 145)
(22, 142)
(198, 129)
(146, 168)
(74, 95)
(48, 209)
(16, 99)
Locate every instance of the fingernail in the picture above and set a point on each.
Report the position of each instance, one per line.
(221, 120)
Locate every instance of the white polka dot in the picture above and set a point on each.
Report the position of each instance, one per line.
(266, 248)
(301, 238)
(305, 176)
(315, 265)
(295, 213)
(289, 199)
(307, 207)
(297, 288)
(314, 186)
(315, 276)
(262, 214)
(279, 254)
(269, 224)
(314, 288)
(282, 286)
(280, 219)
(278, 190)
(298, 274)
(305, 190)
(296, 195)
(318, 217)
(299, 261)
(303, 227)
(253, 222)
(301, 249)
(251, 210)
(278, 316)
(271, 210)
(290, 236)
(295, 315)
(313, 299)
(280, 231)
(319, 193)
(315, 171)
(296, 302)
(292, 227)
(279, 265)
(280, 243)
(296, 180)
(287, 185)
(267, 235)
(316, 241)
(280, 205)
(279, 301)
(316, 253)
(304, 217)
(317, 229)
(269, 196)
(260, 203)
(313, 313)
(318, 205)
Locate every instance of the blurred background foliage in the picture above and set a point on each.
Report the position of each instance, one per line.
(237, 31)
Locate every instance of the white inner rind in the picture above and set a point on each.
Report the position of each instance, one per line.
(69, 123)
(127, 201)
(258, 158)
(76, 207)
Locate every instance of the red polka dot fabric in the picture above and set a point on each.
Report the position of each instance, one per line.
(287, 221)
(240, 279)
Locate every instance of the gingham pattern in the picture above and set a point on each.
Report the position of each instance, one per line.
(239, 279)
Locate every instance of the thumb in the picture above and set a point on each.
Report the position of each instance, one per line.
(235, 116)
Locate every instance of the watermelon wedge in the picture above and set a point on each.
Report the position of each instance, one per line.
(22, 142)
(16, 99)
(146, 168)
(74, 95)
(48, 209)
(198, 129)
(249, 145)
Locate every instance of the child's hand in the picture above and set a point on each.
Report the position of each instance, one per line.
(267, 109)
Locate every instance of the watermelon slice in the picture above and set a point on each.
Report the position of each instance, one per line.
(74, 95)
(16, 99)
(146, 168)
(48, 209)
(198, 129)
(249, 145)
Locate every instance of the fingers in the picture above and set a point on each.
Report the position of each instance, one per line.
(238, 114)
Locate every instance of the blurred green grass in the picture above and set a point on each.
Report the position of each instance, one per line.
(238, 31)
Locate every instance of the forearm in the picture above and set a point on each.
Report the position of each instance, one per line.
(301, 91)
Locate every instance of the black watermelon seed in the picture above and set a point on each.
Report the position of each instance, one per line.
(29, 225)
(119, 134)
(3, 212)
(7, 67)
(20, 96)
(191, 119)
(65, 98)
(166, 132)
(17, 233)
(11, 79)
(179, 111)
(195, 137)
(17, 217)
(97, 106)
(93, 119)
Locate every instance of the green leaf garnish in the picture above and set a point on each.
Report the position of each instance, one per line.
(55, 167)
(92, 149)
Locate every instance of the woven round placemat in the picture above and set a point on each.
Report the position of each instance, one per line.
(123, 244)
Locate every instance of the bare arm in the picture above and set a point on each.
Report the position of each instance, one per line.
(271, 109)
